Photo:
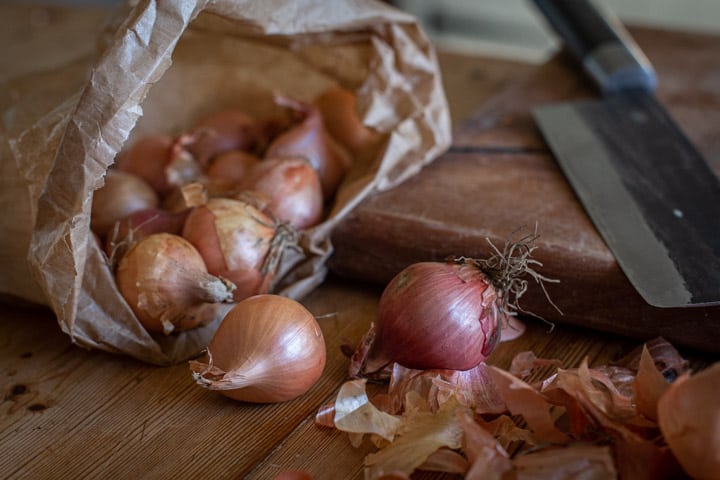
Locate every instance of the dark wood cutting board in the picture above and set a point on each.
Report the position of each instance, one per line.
(499, 176)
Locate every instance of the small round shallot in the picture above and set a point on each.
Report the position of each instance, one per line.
(230, 168)
(122, 195)
(311, 140)
(447, 315)
(142, 223)
(437, 315)
(220, 132)
(267, 349)
(238, 242)
(338, 108)
(689, 418)
(164, 280)
(292, 187)
(161, 161)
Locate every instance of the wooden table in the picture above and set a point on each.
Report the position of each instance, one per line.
(70, 413)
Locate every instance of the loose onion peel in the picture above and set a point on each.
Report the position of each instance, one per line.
(571, 423)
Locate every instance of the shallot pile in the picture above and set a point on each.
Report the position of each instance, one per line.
(204, 217)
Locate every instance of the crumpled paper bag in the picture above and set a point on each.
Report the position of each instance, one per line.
(167, 63)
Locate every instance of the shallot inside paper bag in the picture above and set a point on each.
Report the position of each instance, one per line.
(170, 62)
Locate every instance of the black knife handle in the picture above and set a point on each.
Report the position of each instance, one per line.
(601, 44)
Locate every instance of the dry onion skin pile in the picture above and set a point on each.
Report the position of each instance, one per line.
(234, 191)
(645, 416)
(445, 409)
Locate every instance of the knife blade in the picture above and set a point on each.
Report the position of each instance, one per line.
(648, 191)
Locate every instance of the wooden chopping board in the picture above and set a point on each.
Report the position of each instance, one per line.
(499, 176)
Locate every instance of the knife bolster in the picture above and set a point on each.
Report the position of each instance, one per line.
(615, 68)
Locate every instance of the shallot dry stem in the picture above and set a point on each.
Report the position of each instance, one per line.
(506, 269)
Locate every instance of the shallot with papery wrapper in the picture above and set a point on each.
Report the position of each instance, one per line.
(447, 315)
(139, 225)
(292, 189)
(122, 195)
(310, 139)
(165, 282)
(239, 242)
(225, 131)
(267, 349)
(581, 422)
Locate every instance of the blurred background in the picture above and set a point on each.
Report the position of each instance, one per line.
(511, 28)
(474, 31)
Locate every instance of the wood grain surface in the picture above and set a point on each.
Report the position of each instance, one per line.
(499, 176)
(68, 413)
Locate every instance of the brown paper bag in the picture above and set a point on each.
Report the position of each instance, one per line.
(167, 63)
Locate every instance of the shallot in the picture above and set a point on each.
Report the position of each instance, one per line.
(122, 195)
(437, 315)
(142, 223)
(446, 315)
(220, 132)
(338, 108)
(310, 139)
(689, 418)
(164, 281)
(292, 188)
(229, 168)
(238, 242)
(148, 158)
(268, 348)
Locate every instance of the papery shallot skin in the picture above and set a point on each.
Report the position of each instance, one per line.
(165, 282)
(267, 349)
(147, 158)
(438, 316)
(689, 418)
(310, 139)
(292, 188)
(223, 131)
(123, 194)
(234, 239)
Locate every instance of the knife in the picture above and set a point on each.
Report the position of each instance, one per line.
(648, 191)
